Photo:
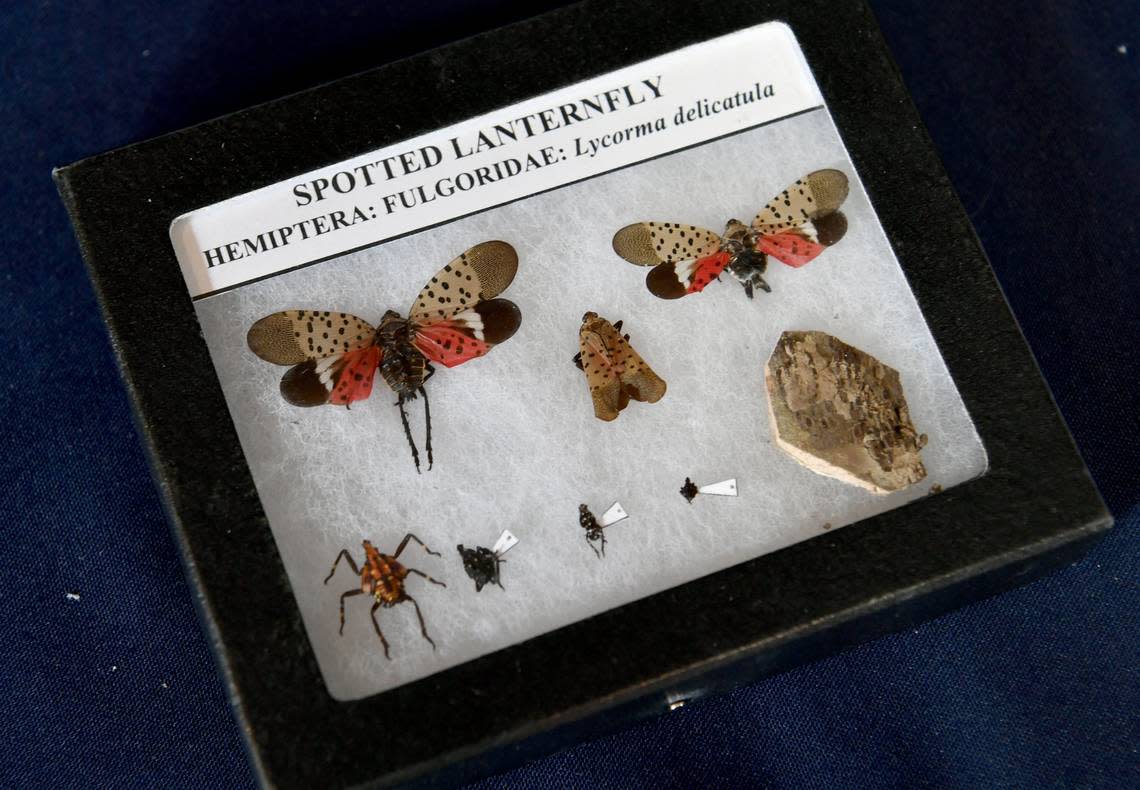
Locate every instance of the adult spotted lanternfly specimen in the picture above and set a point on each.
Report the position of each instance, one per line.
(795, 227)
(334, 356)
(614, 372)
(383, 578)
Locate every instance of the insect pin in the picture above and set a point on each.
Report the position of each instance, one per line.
(615, 373)
(595, 528)
(795, 227)
(690, 490)
(482, 564)
(383, 577)
(334, 356)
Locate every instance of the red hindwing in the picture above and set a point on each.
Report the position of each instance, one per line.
(449, 343)
(471, 333)
(706, 270)
(791, 248)
(674, 280)
(355, 380)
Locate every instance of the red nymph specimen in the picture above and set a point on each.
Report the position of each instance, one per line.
(383, 578)
(334, 356)
(795, 227)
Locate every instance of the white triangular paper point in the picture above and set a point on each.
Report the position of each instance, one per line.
(505, 543)
(615, 514)
(723, 488)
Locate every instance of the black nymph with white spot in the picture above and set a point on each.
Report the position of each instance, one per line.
(334, 356)
(795, 227)
(482, 566)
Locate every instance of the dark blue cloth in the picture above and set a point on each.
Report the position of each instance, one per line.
(108, 680)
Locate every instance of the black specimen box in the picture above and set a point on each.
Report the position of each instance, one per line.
(1034, 509)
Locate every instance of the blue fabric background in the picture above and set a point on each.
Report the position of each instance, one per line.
(1035, 109)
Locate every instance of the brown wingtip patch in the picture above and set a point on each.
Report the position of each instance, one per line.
(645, 386)
(662, 282)
(635, 244)
(271, 338)
(831, 228)
(301, 386)
(829, 190)
(604, 410)
(501, 319)
(495, 263)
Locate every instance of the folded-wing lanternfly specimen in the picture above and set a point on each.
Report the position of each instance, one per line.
(334, 356)
(795, 227)
(383, 577)
(614, 372)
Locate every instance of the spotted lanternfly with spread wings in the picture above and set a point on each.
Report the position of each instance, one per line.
(795, 227)
(334, 356)
(614, 372)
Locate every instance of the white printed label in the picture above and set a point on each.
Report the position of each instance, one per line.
(612, 516)
(505, 543)
(723, 488)
(689, 96)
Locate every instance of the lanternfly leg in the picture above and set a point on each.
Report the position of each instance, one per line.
(595, 548)
(348, 594)
(404, 542)
(343, 554)
(578, 361)
(419, 614)
(380, 633)
(408, 433)
(427, 419)
(430, 579)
